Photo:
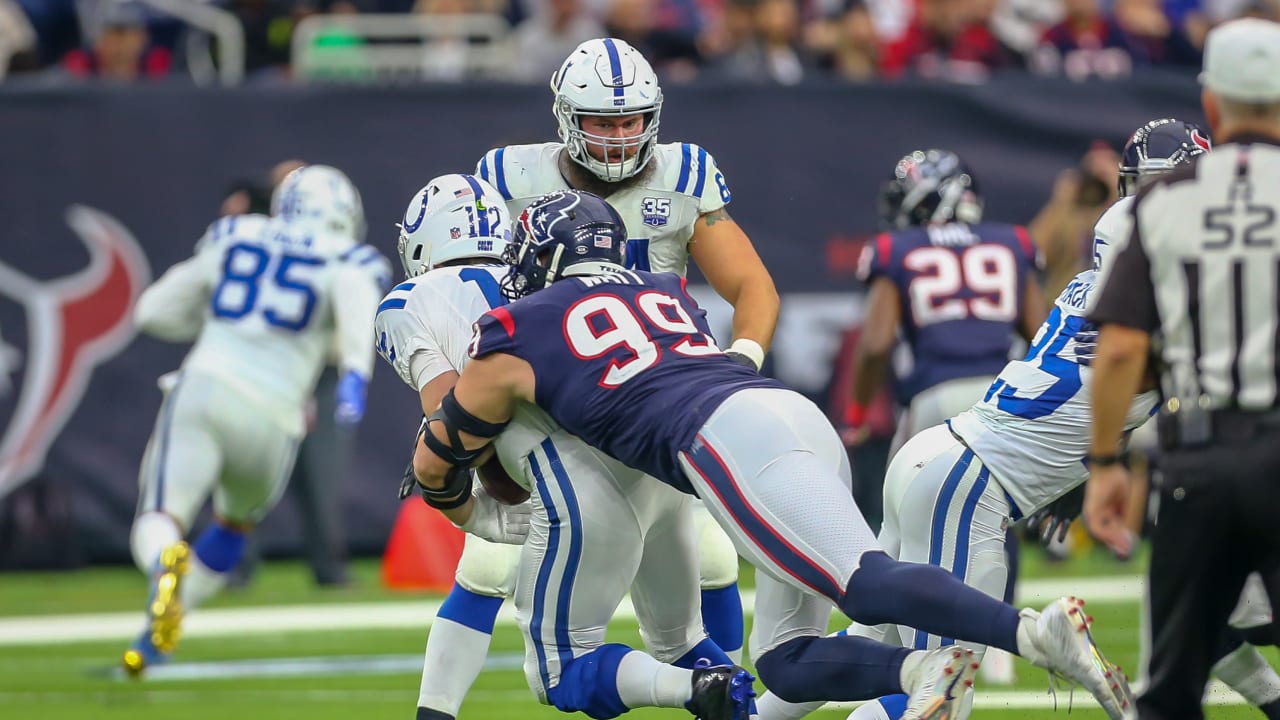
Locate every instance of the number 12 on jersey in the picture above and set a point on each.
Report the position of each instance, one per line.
(598, 324)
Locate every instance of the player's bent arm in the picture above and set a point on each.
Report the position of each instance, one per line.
(1118, 370)
(488, 391)
(435, 389)
(1033, 309)
(724, 254)
(172, 308)
(356, 297)
(879, 333)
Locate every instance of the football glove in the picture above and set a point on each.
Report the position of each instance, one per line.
(351, 394)
(491, 520)
(1054, 520)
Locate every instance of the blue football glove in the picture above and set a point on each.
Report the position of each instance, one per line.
(352, 389)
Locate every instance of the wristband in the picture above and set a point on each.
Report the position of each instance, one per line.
(750, 349)
(1105, 460)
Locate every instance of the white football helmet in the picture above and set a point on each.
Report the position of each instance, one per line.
(321, 198)
(452, 218)
(606, 77)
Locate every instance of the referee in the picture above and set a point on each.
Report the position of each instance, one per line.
(1199, 282)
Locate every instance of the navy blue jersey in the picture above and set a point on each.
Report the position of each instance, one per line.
(624, 361)
(961, 288)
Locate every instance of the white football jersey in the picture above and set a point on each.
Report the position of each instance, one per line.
(1032, 428)
(264, 301)
(680, 183)
(1110, 236)
(423, 328)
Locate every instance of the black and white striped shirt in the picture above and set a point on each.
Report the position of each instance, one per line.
(1201, 272)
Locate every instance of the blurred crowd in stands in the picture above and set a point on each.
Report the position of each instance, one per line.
(778, 41)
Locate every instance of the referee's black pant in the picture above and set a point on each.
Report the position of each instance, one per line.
(1219, 520)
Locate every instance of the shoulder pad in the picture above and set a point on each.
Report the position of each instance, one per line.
(514, 170)
(690, 170)
(223, 230)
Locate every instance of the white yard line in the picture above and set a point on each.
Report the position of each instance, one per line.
(279, 619)
(1219, 695)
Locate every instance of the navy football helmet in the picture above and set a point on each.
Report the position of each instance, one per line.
(1158, 147)
(930, 186)
(565, 233)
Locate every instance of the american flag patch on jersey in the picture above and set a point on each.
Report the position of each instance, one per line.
(461, 191)
(604, 241)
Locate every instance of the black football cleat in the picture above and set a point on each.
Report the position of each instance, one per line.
(721, 692)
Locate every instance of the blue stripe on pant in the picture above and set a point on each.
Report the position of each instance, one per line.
(708, 463)
(558, 517)
(941, 511)
(162, 444)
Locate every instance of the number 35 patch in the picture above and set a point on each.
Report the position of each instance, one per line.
(655, 211)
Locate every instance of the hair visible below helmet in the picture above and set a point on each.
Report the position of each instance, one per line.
(322, 199)
(930, 186)
(454, 217)
(1158, 147)
(562, 234)
(606, 77)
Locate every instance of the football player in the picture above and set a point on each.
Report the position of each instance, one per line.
(624, 360)
(597, 526)
(956, 289)
(264, 299)
(672, 196)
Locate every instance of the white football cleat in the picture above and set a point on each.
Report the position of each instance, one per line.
(1063, 637)
(937, 687)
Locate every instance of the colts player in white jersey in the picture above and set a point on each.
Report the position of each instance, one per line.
(264, 299)
(672, 197)
(597, 526)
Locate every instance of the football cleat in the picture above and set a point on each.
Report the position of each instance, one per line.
(1068, 649)
(721, 692)
(164, 608)
(938, 684)
(142, 655)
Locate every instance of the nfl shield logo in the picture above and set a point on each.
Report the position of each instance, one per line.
(455, 233)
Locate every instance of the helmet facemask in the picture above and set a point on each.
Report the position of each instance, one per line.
(576, 139)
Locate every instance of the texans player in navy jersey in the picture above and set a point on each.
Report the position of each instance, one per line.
(957, 290)
(625, 360)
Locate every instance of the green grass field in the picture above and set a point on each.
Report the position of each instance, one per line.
(73, 679)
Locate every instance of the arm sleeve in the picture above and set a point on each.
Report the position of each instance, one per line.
(1128, 296)
(172, 309)
(354, 309)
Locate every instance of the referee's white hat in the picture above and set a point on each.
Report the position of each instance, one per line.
(1242, 61)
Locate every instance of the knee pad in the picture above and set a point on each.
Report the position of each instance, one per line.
(589, 684)
(717, 558)
(488, 568)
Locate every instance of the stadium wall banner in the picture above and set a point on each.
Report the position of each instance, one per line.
(100, 189)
